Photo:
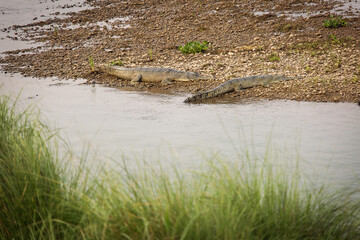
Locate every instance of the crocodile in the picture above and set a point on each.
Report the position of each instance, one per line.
(141, 74)
(238, 84)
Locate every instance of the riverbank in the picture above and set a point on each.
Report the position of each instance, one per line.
(247, 38)
(45, 197)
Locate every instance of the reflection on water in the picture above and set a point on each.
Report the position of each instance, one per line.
(116, 122)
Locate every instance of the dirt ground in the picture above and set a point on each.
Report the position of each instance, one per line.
(257, 37)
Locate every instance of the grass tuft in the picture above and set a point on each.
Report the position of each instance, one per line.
(273, 57)
(335, 22)
(91, 63)
(117, 62)
(194, 47)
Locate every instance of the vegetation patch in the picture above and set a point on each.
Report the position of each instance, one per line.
(150, 53)
(117, 62)
(335, 22)
(273, 57)
(91, 62)
(343, 41)
(202, 28)
(334, 63)
(356, 79)
(316, 46)
(194, 47)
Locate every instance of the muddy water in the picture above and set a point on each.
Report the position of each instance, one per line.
(144, 125)
(22, 12)
(159, 126)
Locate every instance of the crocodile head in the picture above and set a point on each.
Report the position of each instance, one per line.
(191, 75)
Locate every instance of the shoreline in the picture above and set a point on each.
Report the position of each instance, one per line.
(246, 39)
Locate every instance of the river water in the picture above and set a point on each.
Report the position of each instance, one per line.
(114, 123)
(141, 125)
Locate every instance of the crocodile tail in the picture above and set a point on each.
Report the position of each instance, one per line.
(210, 94)
(196, 97)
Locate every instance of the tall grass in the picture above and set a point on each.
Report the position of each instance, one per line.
(39, 197)
(42, 198)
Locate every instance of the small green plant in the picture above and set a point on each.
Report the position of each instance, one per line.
(220, 65)
(335, 22)
(343, 41)
(273, 57)
(150, 54)
(91, 62)
(259, 48)
(334, 63)
(318, 47)
(116, 63)
(334, 40)
(336, 60)
(194, 47)
(356, 79)
(202, 28)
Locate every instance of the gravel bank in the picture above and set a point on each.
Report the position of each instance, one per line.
(247, 38)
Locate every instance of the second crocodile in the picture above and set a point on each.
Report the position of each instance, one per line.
(238, 84)
(163, 75)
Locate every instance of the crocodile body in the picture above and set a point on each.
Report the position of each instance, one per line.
(237, 84)
(164, 75)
